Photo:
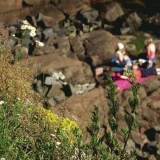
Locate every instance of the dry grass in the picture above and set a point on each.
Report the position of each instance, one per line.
(14, 77)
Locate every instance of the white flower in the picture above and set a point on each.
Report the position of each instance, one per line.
(32, 33)
(1, 102)
(55, 76)
(58, 143)
(18, 99)
(23, 27)
(41, 44)
(25, 22)
(33, 28)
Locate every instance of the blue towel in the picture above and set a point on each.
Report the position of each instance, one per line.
(119, 68)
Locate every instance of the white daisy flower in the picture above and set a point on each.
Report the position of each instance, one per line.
(25, 22)
(23, 27)
(32, 34)
(41, 44)
(33, 28)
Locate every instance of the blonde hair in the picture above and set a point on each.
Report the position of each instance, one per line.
(149, 40)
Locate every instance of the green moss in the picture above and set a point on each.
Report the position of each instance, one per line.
(139, 43)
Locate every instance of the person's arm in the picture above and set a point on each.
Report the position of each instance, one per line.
(148, 52)
(120, 56)
(123, 77)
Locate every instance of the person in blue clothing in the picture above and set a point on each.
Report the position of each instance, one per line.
(120, 57)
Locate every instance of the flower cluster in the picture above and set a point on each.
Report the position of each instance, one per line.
(55, 122)
(27, 26)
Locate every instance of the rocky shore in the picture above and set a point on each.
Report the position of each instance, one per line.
(77, 38)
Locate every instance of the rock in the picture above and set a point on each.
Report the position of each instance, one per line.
(85, 28)
(48, 33)
(149, 115)
(78, 111)
(77, 47)
(133, 20)
(36, 2)
(49, 22)
(113, 11)
(11, 5)
(71, 31)
(155, 19)
(79, 74)
(157, 128)
(142, 93)
(139, 139)
(63, 45)
(154, 105)
(56, 93)
(69, 7)
(130, 146)
(99, 46)
(52, 11)
(126, 30)
(88, 14)
(151, 87)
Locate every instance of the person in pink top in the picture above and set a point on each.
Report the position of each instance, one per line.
(150, 49)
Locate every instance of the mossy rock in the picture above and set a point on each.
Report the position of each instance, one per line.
(139, 43)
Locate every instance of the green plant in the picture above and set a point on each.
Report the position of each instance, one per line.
(29, 132)
(114, 150)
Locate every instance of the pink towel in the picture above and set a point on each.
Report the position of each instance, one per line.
(122, 83)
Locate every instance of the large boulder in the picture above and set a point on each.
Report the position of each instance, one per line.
(77, 47)
(113, 11)
(10, 5)
(79, 110)
(133, 20)
(99, 46)
(52, 11)
(70, 7)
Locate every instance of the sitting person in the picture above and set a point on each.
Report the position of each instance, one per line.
(120, 57)
(150, 49)
(144, 71)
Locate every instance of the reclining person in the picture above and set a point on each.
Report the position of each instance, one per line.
(144, 71)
